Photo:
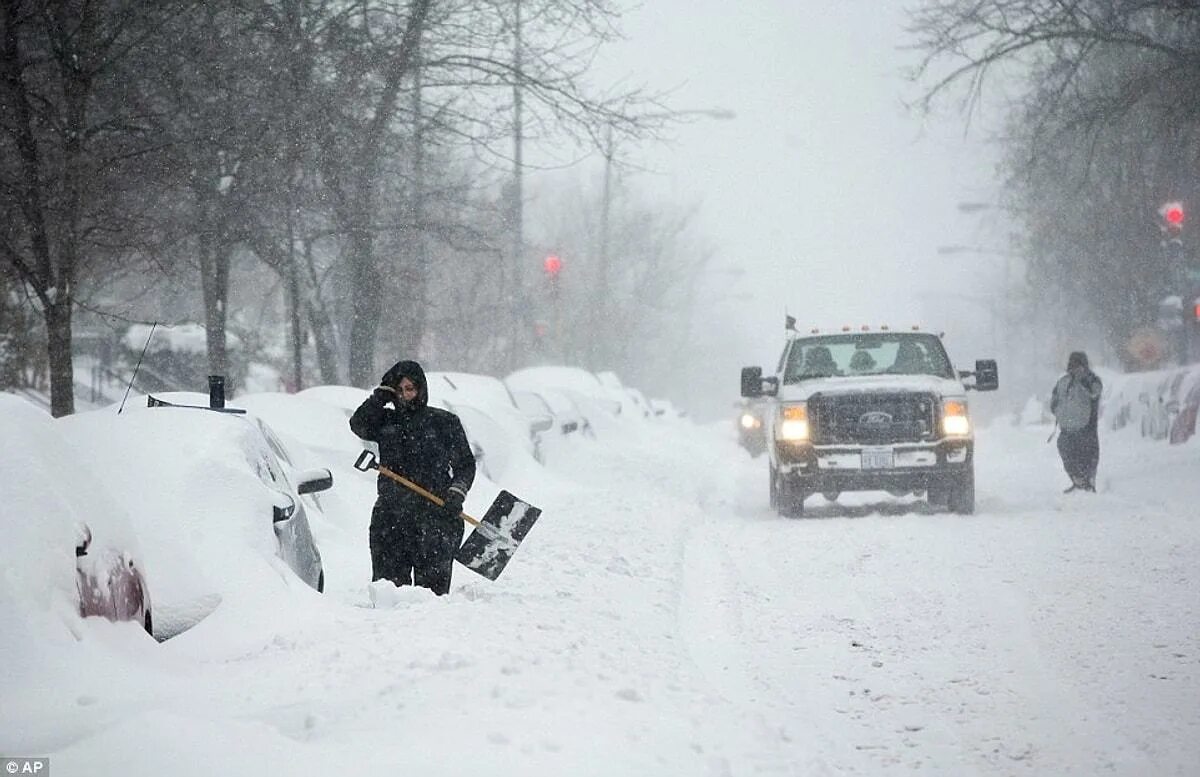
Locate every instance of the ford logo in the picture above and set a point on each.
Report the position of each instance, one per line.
(875, 418)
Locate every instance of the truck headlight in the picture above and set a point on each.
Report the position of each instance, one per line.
(793, 424)
(955, 422)
(750, 421)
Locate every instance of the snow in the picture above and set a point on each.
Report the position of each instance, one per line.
(193, 486)
(865, 384)
(659, 619)
(180, 338)
(49, 494)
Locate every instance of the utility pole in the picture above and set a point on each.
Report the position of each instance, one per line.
(552, 265)
(517, 212)
(597, 349)
(297, 79)
(597, 346)
(420, 249)
(1172, 214)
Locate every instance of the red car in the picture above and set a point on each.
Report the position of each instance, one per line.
(110, 583)
(54, 500)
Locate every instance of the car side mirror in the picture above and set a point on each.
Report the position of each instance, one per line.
(83, 539)
(282, 512)
(541, 423)
(313, 480)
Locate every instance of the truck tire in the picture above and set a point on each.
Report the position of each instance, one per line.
(774, 487)
(789, 501)
(792, 506)
(962, 494)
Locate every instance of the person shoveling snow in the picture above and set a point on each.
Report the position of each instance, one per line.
(413, 539)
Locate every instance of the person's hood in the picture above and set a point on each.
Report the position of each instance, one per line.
(412, 371)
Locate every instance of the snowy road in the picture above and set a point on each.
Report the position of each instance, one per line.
(661, 620)
(1049, 634)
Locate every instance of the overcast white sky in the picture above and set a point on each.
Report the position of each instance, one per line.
(825, 188)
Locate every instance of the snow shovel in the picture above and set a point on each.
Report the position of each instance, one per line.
(495, 539)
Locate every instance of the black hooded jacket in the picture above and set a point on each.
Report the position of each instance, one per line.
(424, 444)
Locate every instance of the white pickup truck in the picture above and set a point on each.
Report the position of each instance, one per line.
(869, 410)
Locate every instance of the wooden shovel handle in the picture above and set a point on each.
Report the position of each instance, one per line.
(413, 486)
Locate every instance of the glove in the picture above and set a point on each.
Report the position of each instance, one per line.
(384, 393)
(453, 505)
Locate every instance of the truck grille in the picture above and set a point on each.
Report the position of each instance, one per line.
(871, 419)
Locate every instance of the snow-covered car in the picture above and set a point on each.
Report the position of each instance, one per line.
(664, 408)
(567, 417)
(109, 581)
(583, 388)
(639, 399)
(218, 513)
(306, 434)
(489, 395)
(615, 390)
(45, 524)
(870, 410)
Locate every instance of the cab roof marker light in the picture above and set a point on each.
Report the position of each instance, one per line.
(845, 329)
(866, 328)
(883, 328)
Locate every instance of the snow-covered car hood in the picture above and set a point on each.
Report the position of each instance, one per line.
(871, 384)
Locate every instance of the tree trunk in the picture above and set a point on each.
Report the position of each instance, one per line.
(365, 289)
(321, 323)
(364, 268)
(214, 281)
(322, 329)
(58, 349)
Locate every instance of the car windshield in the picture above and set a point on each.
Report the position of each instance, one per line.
(874, 353)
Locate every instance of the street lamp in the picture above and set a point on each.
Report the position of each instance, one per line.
(600, 308)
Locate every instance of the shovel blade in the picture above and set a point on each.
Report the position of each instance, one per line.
(490, 547)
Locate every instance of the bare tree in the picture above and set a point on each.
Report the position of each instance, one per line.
(68, 135)
(1105, 128)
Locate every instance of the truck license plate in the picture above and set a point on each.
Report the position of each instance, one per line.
(878, 458)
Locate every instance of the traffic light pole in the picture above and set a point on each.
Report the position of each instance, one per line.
(1186, 336)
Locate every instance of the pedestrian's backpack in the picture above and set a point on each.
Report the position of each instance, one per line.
(1073, 404)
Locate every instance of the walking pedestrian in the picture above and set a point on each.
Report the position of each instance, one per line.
(1075, 403)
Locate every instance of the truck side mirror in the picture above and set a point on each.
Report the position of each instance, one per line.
(755, 385)
(751, 382)
(987, 375)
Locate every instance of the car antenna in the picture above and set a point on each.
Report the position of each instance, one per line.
(138, 367)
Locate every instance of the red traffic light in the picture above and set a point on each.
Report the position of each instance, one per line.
(552, 264)
(1173, 214)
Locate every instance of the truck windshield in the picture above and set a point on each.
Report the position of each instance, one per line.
(866, 353)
